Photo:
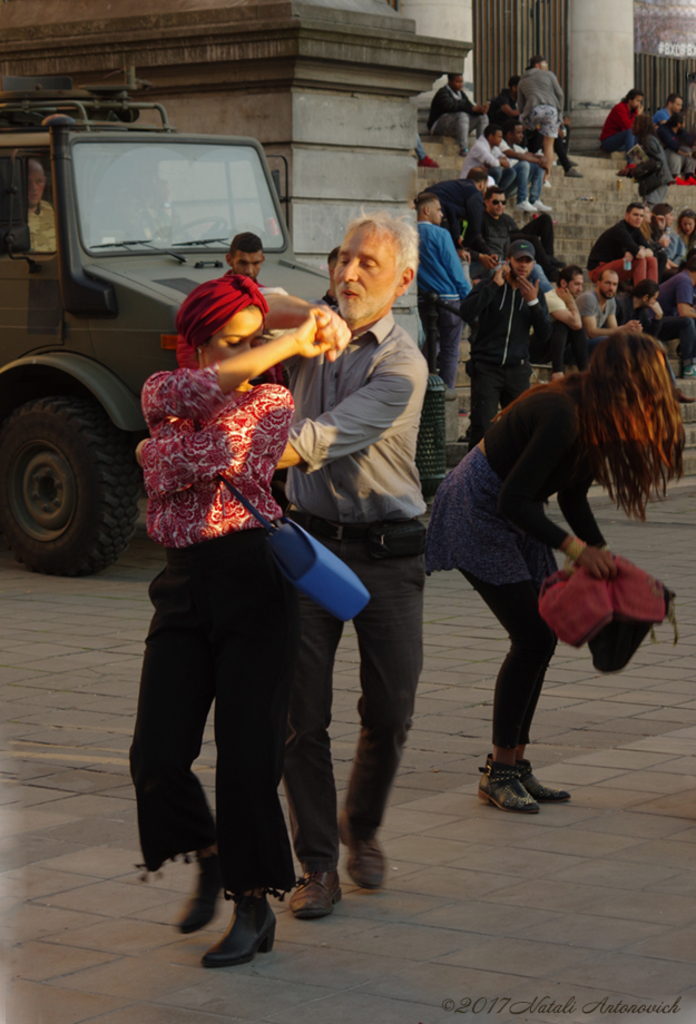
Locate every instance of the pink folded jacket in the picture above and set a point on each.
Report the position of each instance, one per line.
(578, 606)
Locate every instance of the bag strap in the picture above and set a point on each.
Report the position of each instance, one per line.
(266, 523)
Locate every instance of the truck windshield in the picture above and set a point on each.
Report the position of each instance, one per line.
(171, 193)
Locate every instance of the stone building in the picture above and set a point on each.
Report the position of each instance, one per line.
(324, 84)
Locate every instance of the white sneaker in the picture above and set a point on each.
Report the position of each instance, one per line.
(547, 183)
(542, 207)
(526, 206)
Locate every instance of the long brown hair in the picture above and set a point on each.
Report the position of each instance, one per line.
(643, 128)
(689, 240)
(630, 427)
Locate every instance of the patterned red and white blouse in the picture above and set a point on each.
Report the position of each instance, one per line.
(199, 433)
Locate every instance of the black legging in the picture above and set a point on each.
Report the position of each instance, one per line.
(521, 676)
(226, 628)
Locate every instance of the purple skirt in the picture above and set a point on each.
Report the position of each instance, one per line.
(468, 532)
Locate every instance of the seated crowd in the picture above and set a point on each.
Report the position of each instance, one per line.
(503, 278)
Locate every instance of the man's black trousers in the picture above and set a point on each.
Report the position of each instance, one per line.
(492, 386)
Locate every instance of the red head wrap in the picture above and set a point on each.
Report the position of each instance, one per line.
(208, 308)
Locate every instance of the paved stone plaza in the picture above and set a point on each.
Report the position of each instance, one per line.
(591, 904)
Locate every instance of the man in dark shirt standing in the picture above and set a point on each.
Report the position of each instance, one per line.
(453, 113)
(507, 307)
(621, 248)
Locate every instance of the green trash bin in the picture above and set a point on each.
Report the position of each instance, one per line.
(430, 451)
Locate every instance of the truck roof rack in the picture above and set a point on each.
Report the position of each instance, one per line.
(26, 101)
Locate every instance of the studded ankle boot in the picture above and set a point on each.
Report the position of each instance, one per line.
(500, 785)
(540, 792)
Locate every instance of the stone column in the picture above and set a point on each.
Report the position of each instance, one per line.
(449, 19)
(600, 64)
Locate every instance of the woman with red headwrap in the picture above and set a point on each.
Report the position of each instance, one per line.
(226, 622)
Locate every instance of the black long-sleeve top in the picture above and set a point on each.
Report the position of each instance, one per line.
(460, 200)
(614, 242)
(445, 102)
(534, 450)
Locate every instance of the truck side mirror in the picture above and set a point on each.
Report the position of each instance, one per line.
(14, 230)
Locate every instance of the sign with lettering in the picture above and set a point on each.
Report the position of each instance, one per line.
(666, 28)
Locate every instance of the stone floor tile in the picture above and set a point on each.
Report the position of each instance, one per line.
(650, 907)
(98, 861)
(476, 916)
(38, 921)
(592, 932)
(151, 1013)
(638, 823)
(638, 977)
(246, 994)
(520, 956)
(32, 1003)
(111, 899)
(127, 936)
(41, 961)
(133, 978)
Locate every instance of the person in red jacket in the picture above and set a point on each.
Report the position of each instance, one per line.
(617, 131)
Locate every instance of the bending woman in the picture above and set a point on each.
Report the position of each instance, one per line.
(617, 423)
(217, 603)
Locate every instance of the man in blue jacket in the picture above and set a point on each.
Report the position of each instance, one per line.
(440, 271)
(507, 307)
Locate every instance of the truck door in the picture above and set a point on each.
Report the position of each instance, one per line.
(31, 313)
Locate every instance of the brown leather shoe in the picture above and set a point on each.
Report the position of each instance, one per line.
(365, 858)
(318, 894)
(682, 398)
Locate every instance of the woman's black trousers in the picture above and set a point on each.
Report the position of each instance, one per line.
(226, 628)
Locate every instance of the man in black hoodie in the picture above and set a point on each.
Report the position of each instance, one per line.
(507, 307)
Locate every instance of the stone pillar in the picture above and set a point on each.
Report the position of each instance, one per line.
(600, 64)
(449, 19)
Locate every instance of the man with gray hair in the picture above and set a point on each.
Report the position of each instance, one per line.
(353, 483)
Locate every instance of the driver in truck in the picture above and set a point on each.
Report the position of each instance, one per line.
(42, 225)
(246, 255)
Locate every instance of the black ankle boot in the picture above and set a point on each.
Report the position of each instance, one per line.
(251, 931)
(500, 785)
(536, 789)
(201, 908)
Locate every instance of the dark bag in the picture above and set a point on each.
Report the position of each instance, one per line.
(396, 539)
(646, 168)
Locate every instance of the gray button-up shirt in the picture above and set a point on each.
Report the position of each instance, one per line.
(356, 427)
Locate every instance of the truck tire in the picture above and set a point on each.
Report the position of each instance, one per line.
(69, 486)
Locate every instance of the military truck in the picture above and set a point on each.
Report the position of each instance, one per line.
(106, 224)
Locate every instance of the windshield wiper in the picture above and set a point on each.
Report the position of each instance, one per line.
(140, 241)
(201, 241)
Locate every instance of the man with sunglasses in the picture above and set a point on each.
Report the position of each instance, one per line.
(507, 308)
(498, 230)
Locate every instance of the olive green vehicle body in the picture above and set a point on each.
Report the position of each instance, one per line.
(81, 330)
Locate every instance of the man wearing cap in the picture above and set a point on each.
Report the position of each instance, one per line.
(507, 307)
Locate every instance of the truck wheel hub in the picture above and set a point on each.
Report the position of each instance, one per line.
(43, 492)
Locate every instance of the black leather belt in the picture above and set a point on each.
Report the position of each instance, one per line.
(324, 528)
